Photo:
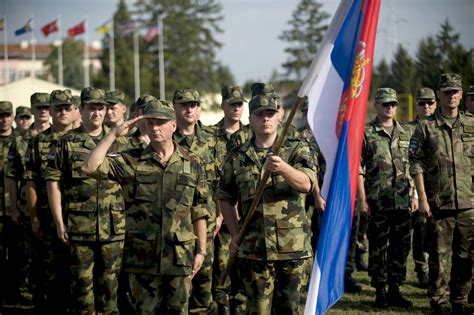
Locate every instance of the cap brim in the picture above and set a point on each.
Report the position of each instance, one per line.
(388, 100)
(6, 112)
(236, 100)
(261, 109)
(450, 88)
(186, 101)
(163, 116)
(40, 104)
(97, 102)
(61, 103)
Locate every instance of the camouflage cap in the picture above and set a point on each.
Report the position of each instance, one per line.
(59, 97)
(159, 109)
(386, 95)
(6, 107)
(185, 96)
(262, 102)
(114, 97)
(471, 90)
(76, 100)
(144, 99)
(23, 111)
(91, 95)
(425, 94)
(39, 99)
(260, 88)
(450, 81)
(232, 94)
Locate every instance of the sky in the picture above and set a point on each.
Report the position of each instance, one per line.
(251, 47)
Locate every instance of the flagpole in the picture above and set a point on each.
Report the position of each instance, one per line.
(86, 55)
(136, 62)
(33, 47)
(112, 56)
(5, 47)
(161, 57)
(60, 53)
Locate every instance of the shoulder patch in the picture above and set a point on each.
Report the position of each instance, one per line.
(51, 156)
(469, 128)
(413, 147)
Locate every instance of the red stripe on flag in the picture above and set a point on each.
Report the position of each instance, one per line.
(76, 30)
(50, 28)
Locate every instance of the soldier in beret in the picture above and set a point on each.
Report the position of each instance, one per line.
(166, 211)
(441, 163)
(274, 265)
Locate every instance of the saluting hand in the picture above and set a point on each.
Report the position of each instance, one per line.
(124, 128)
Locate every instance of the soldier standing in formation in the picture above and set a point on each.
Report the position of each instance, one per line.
(274, 266)
(441, 158)
(165, 211)
(116, 108)
(386, 193)
(23, 119)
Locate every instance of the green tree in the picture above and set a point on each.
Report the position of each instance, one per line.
(306, 32)
(380, 77)
(428, 61)
(73, 70)
(403, 76)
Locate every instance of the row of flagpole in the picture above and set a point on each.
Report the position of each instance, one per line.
(82, 28)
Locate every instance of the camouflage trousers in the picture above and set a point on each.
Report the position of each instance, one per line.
(452, 234)
(201, 293)
(418, 243)
(221, 256)
(350, 262)
(389, 245)
(160, 294)
(94, 268)
(275, 287)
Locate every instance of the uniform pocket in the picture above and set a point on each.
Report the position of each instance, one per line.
(117, 213)
(81, 218)
(290, 237)
(184, 248)
(140, 252)
(247, 181)
(185, 189)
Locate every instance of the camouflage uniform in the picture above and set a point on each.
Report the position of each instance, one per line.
(163, 202)
(201, 143)
(94, 218)
(276, 251)
(443, 152)
(388, 190)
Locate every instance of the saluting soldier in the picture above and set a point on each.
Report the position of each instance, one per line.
(92, 221)
(441, 158)
(166, 212)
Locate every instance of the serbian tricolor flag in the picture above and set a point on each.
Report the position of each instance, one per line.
(76, 30)
(337, 86)
(50, 28)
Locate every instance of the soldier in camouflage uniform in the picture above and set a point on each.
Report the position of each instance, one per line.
(116, 108)
(385, 191)
(200, 141)
(6, 137)
(23, 119)
(23, 251)
(425, 106)
(50, 267)
(232, 106)
(470, 100)
(276, 250)
(93, 219)
(442, 160)
(166, 216)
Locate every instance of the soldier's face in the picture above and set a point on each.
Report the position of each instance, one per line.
(63, 114)
(385, 110)
(6, 122)
(233, 112)
(450, 99)
(93, 115)
(187, 113)
(41, 113)
(264, 122)
(160, 130)
(115, 113)
(425, 107)
(23, 122)
(470, 104)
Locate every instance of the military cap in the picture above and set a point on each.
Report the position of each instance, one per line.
(23, 111)
(425, 94)
(450, 81)
(262, 102)
(142, 100)
(185, 96)
(260, 88)
(232, 94)
(76, 100)
(59, 97)
(91, 95)
(386, 95)
(114, 97)
(39, 99)
(471, 90)
(159, 109)
(6, 107)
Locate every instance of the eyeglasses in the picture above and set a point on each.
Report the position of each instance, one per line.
(67, 108)
(393, 104)
(423, 103)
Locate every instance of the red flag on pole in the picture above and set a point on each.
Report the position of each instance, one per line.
(76, 30)
(50, 28)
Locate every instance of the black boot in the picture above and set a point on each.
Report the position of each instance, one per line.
(460, 309)
(381, 300)
(441, 309)
(422, 279)
(361, 264)
(350, 285)
(395, 298)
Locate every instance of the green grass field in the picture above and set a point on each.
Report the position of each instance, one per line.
(362, 303)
